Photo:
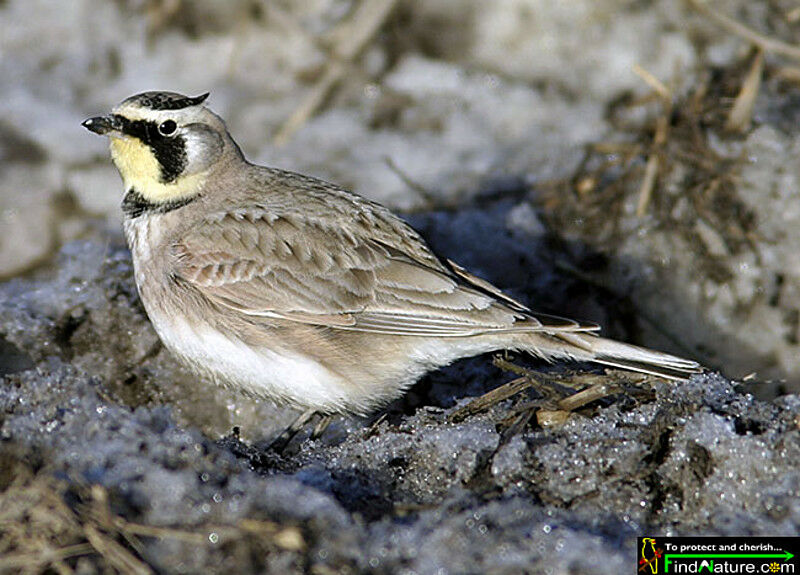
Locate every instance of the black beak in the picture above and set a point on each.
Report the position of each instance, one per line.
(101, 124)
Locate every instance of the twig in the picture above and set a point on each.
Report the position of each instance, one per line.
(657, 85)
(489, 399)
(588, 395)
(506, 365)
(192, 537)
(765, 43)
(653, 164)
(741, 115)
(351, 38)
(116, 555)
(45, 557)
(788, 74)
(648, 183)
(289, 538)
(659, 139)
(557, 417)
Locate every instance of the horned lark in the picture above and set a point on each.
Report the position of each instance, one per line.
(297, 290)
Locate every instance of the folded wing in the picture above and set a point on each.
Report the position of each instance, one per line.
(373, 275)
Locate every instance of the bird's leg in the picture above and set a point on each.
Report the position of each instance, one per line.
(280, 442)
(321, 426)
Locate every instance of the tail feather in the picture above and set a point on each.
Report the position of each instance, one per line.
(553, 337)
(649, 369)
(631, 357)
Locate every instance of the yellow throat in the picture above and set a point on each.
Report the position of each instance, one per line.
(140, 170)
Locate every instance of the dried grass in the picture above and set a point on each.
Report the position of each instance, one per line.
(48, 525)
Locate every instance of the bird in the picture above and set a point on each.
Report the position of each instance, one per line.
(293, 289)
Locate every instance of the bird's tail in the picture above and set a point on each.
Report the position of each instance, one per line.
(585, 346)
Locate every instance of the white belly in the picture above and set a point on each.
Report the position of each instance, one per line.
(279, 376)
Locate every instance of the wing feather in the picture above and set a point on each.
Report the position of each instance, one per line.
(373, 274)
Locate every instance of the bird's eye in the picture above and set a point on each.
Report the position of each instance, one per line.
(167, 128)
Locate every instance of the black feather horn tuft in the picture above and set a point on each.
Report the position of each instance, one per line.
(166, 100)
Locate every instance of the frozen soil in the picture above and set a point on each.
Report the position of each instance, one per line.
(105, 440)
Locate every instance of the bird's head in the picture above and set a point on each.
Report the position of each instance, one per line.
(164, 144)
